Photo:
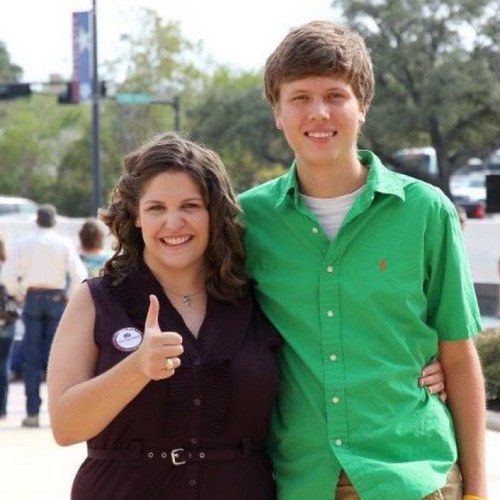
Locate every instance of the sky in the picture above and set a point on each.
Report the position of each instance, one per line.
(239, 33)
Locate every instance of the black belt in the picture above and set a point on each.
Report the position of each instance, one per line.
(175, 456)
(40, 289)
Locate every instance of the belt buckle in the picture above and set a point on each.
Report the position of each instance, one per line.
(174, 455)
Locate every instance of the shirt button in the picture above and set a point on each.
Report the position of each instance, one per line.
(193, 440)
(330, 269)
(333, 357)
(338, 442)
(330, 314)
(335, 400)
(197, 401)
(192, 482)
(315, 230)
(197, 362)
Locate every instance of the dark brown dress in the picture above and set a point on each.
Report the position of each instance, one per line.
(213, 414)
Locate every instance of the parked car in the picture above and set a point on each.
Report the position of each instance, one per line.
(474, 209)
(469, 191)
(471, 186)
(422, 159)
(13, 205)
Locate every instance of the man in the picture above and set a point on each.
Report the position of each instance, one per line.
(363, 271)
(43, 268)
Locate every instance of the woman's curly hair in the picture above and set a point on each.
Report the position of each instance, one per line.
(172, 153)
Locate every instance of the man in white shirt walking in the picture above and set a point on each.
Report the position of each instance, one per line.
(41, 271)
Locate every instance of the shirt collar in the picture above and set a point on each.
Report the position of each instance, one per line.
(289, 184)
(380, 179)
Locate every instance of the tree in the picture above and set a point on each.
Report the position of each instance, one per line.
(9, 72)
(35, 135)
(232, 117)
(437, 65)
(156, 58)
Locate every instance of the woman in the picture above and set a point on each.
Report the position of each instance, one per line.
(164, 364)
(92, 251)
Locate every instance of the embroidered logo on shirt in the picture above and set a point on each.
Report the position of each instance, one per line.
(382, 264)
(127, 339)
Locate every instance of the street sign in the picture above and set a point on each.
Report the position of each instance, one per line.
(133, 98)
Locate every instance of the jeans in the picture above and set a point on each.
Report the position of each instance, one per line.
(452, 490)
(41, 314)
(7, 332)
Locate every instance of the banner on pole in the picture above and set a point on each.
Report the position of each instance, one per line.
(82, 55)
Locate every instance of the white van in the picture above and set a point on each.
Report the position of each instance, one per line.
(423, 159)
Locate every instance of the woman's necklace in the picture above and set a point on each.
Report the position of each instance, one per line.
(186, 298)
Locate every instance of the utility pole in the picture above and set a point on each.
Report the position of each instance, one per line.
(96, 168)
(177, 112)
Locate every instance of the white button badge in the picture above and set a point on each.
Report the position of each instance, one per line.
(127, 339)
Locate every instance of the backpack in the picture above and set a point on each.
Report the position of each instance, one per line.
(8, 307)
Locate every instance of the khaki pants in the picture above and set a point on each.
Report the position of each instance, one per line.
(452, 490)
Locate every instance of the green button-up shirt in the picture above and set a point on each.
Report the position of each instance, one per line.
(360, 315)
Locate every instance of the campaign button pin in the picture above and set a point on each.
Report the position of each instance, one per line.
(127, 339)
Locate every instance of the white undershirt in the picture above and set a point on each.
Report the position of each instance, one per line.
(330, 212)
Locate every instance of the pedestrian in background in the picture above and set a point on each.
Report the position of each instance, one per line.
(41, 271)
(7, 332)
(92, 251)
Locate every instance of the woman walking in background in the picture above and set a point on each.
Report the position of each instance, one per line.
(92, 251)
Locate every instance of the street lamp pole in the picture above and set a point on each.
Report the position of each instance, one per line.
(96, 170)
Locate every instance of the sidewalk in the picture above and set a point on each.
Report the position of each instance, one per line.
(33, 466)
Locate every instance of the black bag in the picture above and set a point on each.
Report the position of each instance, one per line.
(8, 307)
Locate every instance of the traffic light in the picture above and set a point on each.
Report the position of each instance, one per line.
(70, 95)
(14, 90)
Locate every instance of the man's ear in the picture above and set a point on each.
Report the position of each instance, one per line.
(362, 115)
(277, 119)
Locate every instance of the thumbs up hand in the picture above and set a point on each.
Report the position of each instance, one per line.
(158, 354)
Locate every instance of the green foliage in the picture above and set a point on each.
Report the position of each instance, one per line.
(35, 135)
(9, 72)
(488, 347)
(232, 117)
(156, 58)
(437, 67)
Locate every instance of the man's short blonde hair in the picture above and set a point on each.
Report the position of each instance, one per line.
(321, 48)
